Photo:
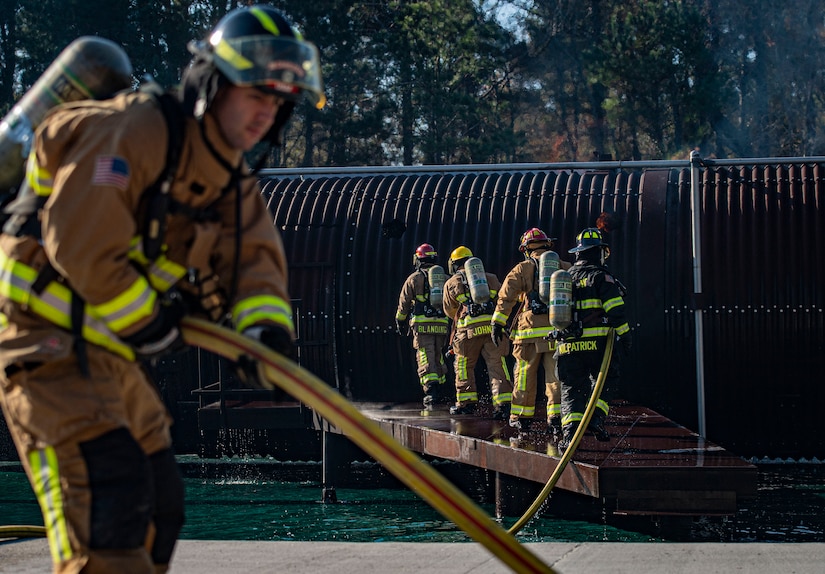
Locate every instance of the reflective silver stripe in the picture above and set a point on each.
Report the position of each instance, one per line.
(53, 304)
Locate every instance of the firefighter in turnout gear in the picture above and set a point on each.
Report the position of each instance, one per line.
(83, 299)
(471, 310)
(532, 347)
(598, 306)
(420, 310)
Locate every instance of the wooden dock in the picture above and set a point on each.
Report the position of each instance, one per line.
(651, 466)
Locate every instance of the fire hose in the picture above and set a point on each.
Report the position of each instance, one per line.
(274, 370)
(574, 443)
(440, 493)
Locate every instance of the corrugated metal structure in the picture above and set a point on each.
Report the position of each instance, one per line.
(350, 235)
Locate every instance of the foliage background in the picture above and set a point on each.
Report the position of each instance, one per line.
(491, 81)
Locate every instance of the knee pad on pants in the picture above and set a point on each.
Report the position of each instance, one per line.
(169, 507)
(121, 490)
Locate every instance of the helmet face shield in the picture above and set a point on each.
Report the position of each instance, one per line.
(281, 64)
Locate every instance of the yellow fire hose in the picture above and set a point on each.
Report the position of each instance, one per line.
(574, 443)
(440, 493)
(19, 531)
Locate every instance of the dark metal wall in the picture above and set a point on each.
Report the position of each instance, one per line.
(350, 240)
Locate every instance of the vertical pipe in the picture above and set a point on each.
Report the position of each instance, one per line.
(696, 240)
(330, 465)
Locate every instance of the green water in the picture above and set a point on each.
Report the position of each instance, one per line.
(237, 500)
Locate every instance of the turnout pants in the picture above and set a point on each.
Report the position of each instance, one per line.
(530, 355)
(467, 352)
(97, 451)
(577, 373)
(432, 369)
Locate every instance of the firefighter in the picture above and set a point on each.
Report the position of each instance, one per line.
(471, 314)
(82, 304)
(579, 353)
(421, 310)
(532, 347)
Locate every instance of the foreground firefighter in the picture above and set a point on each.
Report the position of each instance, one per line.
(101, 266)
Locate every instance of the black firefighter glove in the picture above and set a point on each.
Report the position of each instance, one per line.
(162, 336)
(400, 327)
(276, 338)
(626, 341)
(497, 334)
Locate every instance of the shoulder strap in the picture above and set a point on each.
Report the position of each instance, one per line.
(426, 284)
(158, 197)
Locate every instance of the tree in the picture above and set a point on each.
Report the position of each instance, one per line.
(8, 52)
(663, 84)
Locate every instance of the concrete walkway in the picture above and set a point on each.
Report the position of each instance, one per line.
(233, 557)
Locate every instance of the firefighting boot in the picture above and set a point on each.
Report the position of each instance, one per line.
(596, 426)
(567, 432)
(501, 412)
(520, 423)
(554, 428)
(468, 409)
(430, 396)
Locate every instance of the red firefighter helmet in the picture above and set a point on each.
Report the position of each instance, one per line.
(425, 253)
(534, 235)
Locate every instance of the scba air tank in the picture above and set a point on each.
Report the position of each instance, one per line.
(561, 300)
(88, 68)
(436, 278)
(548, 264)
(477, 280)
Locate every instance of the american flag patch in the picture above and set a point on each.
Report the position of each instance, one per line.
(111, 170)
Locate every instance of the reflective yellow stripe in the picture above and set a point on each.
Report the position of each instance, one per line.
(265, 21)
(40, 181)
(53, 304)
(429, 378)
(589, 304)
(131, 306)
(423, 320)
(46, 483)
(592, 332)
(505, 369)
(261, 308)
(162, 272)
(502, 398)
(461, 367)
(500, 318)
(521, 369)
(532, 333)
(528, 412)
(468, 321)
(613, 303)
(571, 418)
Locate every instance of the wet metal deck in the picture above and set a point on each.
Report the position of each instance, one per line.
(650, 466)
